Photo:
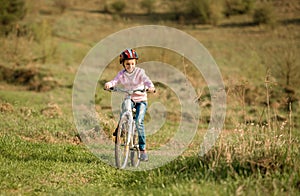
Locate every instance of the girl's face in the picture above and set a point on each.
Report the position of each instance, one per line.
(129, 65)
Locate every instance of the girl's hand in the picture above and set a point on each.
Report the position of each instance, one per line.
(107, 86)
(151, 90)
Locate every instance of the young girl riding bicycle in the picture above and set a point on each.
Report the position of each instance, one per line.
(132, 77)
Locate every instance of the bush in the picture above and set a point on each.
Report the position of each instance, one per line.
(119, 6)
(148, 5)
(234, 7)
(215, 11)
(62, 5)
(264, 15)
(205, 11)
(177, 9)
(198, 10)
(10, 12)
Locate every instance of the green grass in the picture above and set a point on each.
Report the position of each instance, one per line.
(247, 160)
(37, 167)
(50, 168)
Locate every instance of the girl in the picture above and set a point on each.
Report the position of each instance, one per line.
(132, 77)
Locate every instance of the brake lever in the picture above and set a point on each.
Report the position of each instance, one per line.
(110, 89)
(147, 90)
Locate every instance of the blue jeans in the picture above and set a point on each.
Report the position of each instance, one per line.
(141, 108)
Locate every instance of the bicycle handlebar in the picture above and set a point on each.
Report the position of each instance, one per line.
(116, 89)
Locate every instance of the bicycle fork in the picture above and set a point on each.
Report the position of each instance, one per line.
(133, 142)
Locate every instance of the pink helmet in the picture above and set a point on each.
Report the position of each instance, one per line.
(128, 54)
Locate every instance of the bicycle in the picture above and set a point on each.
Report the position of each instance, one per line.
(127, 137)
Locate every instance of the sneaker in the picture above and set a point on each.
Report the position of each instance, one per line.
(143, 156)
(115, 133)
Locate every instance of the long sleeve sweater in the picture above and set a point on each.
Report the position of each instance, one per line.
(135, 80)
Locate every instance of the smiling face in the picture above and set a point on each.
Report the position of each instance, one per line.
(129, 65)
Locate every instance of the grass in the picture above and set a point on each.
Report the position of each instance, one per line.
(256, 153)
(47, 164)
(63, 168)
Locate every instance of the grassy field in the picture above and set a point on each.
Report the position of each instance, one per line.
(257, 153)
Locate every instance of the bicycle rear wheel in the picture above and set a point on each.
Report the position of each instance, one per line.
(122, 142)
(134, 151)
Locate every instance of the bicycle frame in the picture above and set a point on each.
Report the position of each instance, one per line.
(129, 144)
(126, 110)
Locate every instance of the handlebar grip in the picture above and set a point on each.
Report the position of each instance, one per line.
(110, 89)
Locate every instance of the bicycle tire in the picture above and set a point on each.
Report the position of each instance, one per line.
(122, 142)
(134, 151)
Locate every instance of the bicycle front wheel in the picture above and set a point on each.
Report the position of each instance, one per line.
(122, 142)
(134, 150)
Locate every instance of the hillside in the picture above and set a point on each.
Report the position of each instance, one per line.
(42, 152)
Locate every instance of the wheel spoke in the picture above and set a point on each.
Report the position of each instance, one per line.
(122, 144)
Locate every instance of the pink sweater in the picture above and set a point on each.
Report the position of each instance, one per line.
(135, 80)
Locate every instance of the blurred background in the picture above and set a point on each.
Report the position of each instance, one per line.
(255, 43)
